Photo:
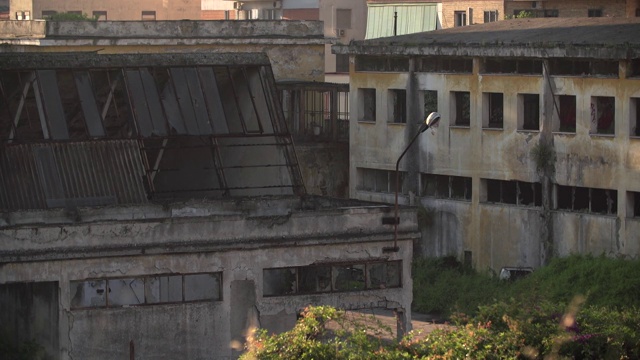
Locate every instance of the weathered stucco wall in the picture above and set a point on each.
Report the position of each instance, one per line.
(325, 168)
(201, 330)
(500, 235)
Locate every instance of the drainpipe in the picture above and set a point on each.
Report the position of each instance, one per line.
(395, 23)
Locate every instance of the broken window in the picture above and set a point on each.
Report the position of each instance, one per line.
(384, 275)
(446, 187)
(398, 106)
(634, 117)
(202, 287)
(348, 277)
(367, 104)
(377, 180)
(512, 66)
(603, 114)
(580, 67)
(461, 107)
(594, 13)
(430, 102)
(163, 289)
(493, 110)
(633, 204)
(314, 279)
(528, 112)
(513, 192)
(445, 64)
(279, 281)
(582, 199)
(88, 294)
(634, 64)
(124, 292)
(567, 113)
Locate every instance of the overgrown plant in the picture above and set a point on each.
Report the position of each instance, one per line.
(544, 156)
(71, 17)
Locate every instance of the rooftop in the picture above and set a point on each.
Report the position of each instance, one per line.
(609, 38)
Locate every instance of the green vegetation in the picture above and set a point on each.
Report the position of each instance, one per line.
(70, 17)
(580, 307)
(521, 15)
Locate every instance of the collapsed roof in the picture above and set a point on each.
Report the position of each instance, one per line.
(83, 129)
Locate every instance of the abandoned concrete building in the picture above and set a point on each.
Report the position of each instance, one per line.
(153, 204)
(538, 150)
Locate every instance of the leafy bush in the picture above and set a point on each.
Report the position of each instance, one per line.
(70, 17)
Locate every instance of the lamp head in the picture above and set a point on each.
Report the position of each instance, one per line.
(430, 121)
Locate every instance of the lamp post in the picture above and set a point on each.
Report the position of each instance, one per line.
(430, 121)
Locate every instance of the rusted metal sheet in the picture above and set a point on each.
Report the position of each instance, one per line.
(52, 175)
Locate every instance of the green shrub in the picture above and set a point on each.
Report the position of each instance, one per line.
(70, 17)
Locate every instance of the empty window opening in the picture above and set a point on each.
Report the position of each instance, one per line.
(490, 16)
(603, 114)
(382, 181)
(594, 13)
(367, 104)
(100, 15)
(460, 18)
(48, 13)
(634, 117)
(342, 63)
(582, 199)
(635, 68)
(430, 102)
(529, 112)
(381, 64)
(519, 193)
(327, 278)
(493, 110)
(446, 187)
(461, 107)
(445, 64)
(148, 15)
(567, 110)
(576, 67)
(519, 66)
(343, 18)
(398, 106)
(633, 204)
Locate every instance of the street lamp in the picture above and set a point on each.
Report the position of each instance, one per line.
(430, 121)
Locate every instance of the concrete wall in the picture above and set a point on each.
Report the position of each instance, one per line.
(202, 330)
(475, 10)
(325, 168)
(358, 25)
(504, 235)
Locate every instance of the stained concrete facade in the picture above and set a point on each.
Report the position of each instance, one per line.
(506, 194)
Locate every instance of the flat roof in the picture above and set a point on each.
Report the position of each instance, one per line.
(612, 38)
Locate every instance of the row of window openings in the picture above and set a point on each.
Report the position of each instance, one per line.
(579, 199)
(460, 17)
(315, 279)
(450, 64)
(602, 110)
(99, 15)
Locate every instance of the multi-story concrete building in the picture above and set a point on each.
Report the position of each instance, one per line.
(152, 206)
(537, 151)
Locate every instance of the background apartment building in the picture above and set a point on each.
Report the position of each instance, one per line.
(536, 154)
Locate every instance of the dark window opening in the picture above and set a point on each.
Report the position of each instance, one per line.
(603, 114)
(342, 63)
(531, 112)
(382, 181)
(594, 12)
(580, 199)
(460, 18)
(381, 64)
(635, 116)
(490, 16)
(446, 187)
(564, 195)
(398, 104)
(494, 191)
(462, 108)
(635, 198)
(576, 67)
(591, 200)
(445, 64)
(635, 68)
(514, 192)
(509, 192)
(430, 99)
(48, 13)
(368, 104)
(567, 104)
(495, 110)
(518, 66)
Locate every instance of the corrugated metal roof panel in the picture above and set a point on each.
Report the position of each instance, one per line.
(412, 18)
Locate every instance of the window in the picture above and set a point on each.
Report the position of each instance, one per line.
(383, 64)
(398, 106)
(594, 13)
(550, 13)
(381, 181)
(48, 13)
(367, 104)
(576, 67)
(145, 290)
(270, 14)
(567, 114)
(430, 102)
(343, 18)
(100, 15)
(446, 187)
(506, 66)
(518, 193)
(634, 115)
(342, 63)
(528, 112)
(633, 204)
(591, 200)
(490, 16)
(445, 64)
(603, 114)
(461, 107)
(460, 18)
(148, 15)
(492, 111)
(327, 278)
